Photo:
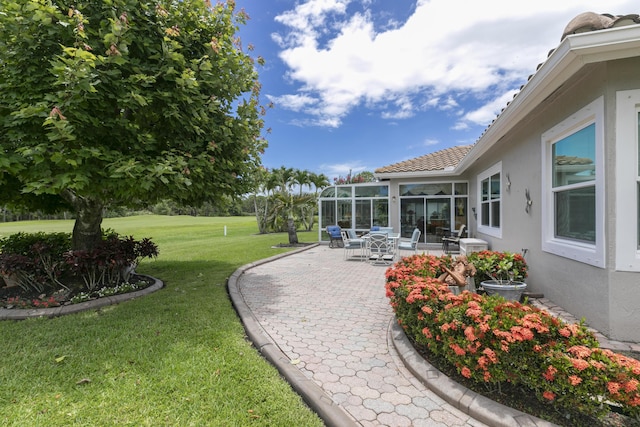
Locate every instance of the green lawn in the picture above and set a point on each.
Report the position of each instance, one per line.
(177, 357)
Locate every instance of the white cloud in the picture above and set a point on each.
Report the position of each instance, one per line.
(489, 111)
(449, 103)
(403, 109)
(293, 102)
(342, 169)
(446, 52)
(430, 142)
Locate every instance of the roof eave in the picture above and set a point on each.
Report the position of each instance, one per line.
(415, 174)
(573, 53)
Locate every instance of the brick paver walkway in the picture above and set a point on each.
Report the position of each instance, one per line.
(331, 318)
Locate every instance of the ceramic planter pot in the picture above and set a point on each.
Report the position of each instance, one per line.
(508, 290)
(470, 286)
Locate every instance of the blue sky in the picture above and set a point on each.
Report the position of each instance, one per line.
(360, 84)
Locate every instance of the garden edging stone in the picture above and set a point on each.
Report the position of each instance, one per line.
(470, 402)
(26, 313)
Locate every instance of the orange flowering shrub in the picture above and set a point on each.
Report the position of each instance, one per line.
(491, 340)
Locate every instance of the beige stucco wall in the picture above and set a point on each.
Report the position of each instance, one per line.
(608, 300)
(624, 287)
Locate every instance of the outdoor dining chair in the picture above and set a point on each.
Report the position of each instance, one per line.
(453, 239)
(381, 250)
(352, 245)
(334, 236)
(410, 245)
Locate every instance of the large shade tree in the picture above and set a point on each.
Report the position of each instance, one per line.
(122, 102)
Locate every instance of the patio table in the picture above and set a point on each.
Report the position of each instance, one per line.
(393, 237)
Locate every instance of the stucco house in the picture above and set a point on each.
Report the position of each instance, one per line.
(556, 175)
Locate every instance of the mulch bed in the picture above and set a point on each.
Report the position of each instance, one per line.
(63, 297)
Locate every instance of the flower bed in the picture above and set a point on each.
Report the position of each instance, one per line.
(493, 341)
(47, 273)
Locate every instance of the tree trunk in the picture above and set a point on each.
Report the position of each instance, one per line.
(261, 216)
(87, 230)
(291, 229)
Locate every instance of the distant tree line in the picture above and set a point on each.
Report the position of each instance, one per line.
(285, 200)
(229, 207)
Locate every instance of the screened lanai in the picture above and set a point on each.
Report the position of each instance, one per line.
(436, 208)
(355, 206)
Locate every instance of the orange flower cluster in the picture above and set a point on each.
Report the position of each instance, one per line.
(491, 340)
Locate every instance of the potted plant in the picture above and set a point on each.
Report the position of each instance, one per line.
(501, 273)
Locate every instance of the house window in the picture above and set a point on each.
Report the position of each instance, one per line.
(573, 182)
(628, 180)
(490, 199)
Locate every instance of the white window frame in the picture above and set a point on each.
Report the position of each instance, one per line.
(586, 252)
(627, 178)
(489, 230)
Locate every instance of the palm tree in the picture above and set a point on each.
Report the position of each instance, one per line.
(281, 207)
(319, 182)
(302, 178)
(262, 187)
(285, 181)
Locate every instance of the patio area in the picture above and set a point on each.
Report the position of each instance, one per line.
(330, 322)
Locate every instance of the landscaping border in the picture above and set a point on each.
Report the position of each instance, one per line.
(471, 403)
(26, 313)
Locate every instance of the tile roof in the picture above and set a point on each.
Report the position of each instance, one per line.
(590, 21)
(440, 160)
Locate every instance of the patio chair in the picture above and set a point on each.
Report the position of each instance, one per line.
(380, 249)
(334, 236)
(352, 245)
(453, 239)
(410, 245)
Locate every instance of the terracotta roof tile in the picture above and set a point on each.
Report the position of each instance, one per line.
(449, 157)
(590, 21)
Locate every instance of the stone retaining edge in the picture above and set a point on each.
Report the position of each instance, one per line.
(471, 403)
(26, 313)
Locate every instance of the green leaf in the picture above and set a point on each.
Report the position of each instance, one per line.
(83, 110)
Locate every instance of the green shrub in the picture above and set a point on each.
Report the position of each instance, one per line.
(35, 260)
(22, 243)
(495, 265)
(43, 261)
(111, 262)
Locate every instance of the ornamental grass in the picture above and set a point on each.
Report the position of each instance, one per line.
(493, 341)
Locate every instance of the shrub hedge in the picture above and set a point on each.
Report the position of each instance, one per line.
(41, 262)
(491, 340)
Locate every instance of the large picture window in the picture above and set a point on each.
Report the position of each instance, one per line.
(573, 181)
(490, 200)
